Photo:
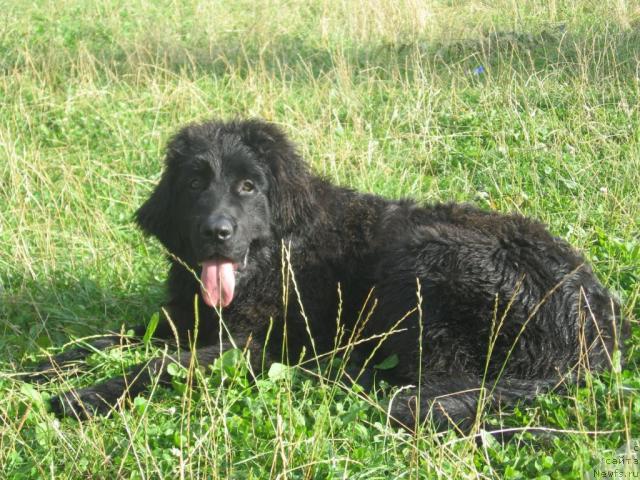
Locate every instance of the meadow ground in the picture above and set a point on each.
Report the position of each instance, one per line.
(521, 106)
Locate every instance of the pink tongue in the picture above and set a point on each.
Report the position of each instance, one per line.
(218, 282)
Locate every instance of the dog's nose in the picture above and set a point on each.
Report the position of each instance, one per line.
(217, 228)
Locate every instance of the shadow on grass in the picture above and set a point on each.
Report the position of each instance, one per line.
(605, 52)
(58, 307)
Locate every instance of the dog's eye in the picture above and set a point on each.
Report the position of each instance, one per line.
(246, 186)
(195, 183)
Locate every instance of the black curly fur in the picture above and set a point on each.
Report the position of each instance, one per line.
(506, 310)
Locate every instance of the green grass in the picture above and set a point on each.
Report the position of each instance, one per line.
(381, 96)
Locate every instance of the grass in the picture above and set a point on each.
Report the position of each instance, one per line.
(384, 96)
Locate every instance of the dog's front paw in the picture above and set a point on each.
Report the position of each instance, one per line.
(47, 371)
(43, 372)
(84, 403)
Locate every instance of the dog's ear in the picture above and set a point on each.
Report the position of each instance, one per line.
(290, 194)
(154, 217)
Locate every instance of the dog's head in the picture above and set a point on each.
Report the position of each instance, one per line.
(227, 189)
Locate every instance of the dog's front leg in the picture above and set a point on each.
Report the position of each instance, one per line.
(165, 332)
(55, 365)
(101, 398)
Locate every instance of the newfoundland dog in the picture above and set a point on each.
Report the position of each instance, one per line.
(473, 308)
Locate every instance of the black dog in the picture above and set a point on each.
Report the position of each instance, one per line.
(473, 304)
